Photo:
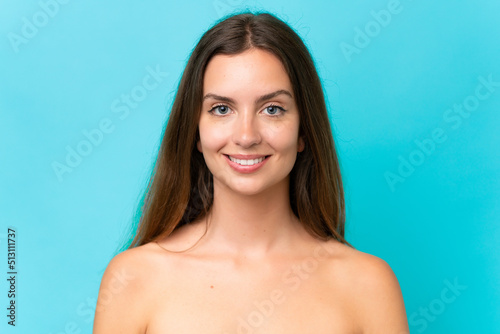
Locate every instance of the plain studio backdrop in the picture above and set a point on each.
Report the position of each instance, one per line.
(413, 92)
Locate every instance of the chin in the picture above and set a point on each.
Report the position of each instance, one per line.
(253, 188)
(247, 191)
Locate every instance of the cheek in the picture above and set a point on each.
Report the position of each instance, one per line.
(212, 138)
(283, 137)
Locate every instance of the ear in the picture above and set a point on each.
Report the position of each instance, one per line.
(198, 142)
(301, 144)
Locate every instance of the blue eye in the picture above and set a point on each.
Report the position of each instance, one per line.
(220, 110)
(274, 110)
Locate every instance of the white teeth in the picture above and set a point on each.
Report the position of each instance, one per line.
(246, 162)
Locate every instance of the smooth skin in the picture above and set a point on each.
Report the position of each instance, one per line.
(256, 270)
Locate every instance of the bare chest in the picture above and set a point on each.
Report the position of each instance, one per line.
(287, 299)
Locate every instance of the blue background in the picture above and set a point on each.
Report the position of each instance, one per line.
(438, 224)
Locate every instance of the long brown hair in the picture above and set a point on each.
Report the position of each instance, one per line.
(180, 188)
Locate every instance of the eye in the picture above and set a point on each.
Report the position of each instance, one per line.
(274, 110)
(220, 109)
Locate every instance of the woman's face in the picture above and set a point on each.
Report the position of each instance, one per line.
(249, 122)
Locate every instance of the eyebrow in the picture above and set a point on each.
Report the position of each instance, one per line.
(259, 100)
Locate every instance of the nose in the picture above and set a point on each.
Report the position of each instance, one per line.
(246, 132)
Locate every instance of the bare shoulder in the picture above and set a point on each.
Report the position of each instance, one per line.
(120, 304)
(373, 289)
(130, 267)
(368, 269)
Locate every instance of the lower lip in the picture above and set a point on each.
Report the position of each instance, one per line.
(245, 169)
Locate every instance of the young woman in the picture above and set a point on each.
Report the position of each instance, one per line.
(243, 223)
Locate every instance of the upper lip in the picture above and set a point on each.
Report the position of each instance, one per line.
(246, 156)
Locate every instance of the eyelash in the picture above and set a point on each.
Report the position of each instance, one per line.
(282, 110)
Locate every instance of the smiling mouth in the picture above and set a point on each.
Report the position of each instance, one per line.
(247, 162)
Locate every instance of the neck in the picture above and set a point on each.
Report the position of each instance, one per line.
(252, 225)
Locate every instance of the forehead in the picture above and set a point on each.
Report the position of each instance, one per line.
(253, 71)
